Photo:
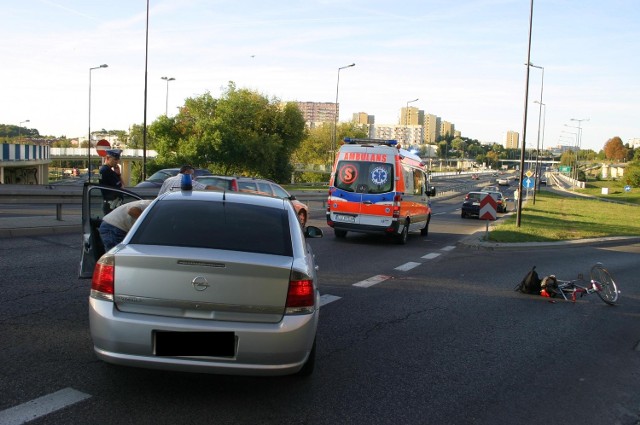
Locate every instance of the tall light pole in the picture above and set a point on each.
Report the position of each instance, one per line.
(104, 65)
(524, 123)
(144, 119)
(576, 138)
(579, 139)
(20, 126)
(406, 121)
(536, 183)
(166, 108)
(335, 121)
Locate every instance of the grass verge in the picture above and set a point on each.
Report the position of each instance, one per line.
(558, 217)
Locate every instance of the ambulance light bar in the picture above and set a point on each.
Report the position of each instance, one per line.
(351, 141)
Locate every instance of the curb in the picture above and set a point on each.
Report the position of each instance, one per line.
(476, 242)
(39, 231)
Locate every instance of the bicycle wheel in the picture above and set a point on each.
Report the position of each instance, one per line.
(609, 291)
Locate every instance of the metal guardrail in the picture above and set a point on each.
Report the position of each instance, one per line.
(60, 195)
(20, 194)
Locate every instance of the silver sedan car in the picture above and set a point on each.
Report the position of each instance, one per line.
(213, 282)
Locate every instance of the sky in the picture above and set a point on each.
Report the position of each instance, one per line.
(464, 60)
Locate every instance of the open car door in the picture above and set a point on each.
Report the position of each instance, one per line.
(97, 201)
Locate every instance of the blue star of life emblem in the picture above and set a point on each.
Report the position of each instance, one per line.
(379, 175)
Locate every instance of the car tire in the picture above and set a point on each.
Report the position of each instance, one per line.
(340, 233)
(425, 230)
(463, 215)
(309, 365)
(403, 236)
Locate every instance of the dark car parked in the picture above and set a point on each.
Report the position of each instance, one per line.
(501, 200)
(157, 178)
(471, 204)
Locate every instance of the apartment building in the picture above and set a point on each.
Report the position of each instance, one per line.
(432, 124)
(447, 129)
(513, 140)
(315, 113)
(411, 116)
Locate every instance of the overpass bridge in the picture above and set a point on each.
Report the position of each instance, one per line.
(29, 163)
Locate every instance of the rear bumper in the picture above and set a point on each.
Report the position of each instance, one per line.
(364, 228)
(471, 210)
(262, 349)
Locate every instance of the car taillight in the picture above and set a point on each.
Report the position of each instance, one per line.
(102, 280)
(301, 294)
(396, 206)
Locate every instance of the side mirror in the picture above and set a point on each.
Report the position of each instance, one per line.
(432, 191)
(313, 232)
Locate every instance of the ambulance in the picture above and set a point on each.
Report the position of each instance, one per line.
(377, 187)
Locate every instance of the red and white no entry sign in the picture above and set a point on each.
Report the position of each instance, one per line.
(102, 146)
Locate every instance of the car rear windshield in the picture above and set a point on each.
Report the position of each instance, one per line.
(364, 176)
(216, 225)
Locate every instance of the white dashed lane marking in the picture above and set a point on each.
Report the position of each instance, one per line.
(326, 299)
(407, 266)
(372, 281)
(41, 406)
(403, 268)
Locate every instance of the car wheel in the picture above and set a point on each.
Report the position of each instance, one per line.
(402, 237)
(463, 215)
(309, 365)
(425, 230)
(340, 233)
(302, 218)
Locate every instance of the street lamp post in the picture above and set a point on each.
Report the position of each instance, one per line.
(104, 65)
(406, 121)
(536, 186)
(166, 108)
(524, 123)
(574, 172)
(20, 126)
(579, 140)
(335, 118)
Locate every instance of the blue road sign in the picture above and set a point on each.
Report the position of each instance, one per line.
(627, 188)
(528, 183)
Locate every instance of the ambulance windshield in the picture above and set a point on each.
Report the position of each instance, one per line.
(364, 177)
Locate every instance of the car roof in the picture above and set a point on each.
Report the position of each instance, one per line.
(214, 195)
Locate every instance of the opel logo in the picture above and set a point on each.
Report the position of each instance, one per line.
(200, 283)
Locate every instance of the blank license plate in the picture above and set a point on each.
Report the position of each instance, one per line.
(345, 218)
(189, 344)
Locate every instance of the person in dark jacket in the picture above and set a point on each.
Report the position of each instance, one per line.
(110, 176)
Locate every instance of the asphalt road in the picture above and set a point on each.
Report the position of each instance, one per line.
(442, 338)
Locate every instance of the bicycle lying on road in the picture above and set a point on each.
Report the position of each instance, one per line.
(601, 283)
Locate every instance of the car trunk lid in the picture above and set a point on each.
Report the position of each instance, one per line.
(201, 283)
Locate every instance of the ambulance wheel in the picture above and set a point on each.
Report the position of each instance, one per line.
(340, 233)
(402, 237)
(425, 230)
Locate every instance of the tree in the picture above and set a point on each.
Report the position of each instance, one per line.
(614, 149)
(493, 159)
(568, 158)
(242, 133)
